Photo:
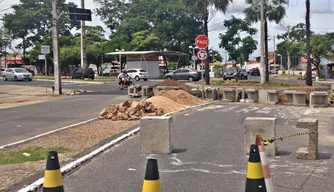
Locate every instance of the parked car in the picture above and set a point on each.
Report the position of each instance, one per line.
(80, 73)
(184, 74)
(232, 73)
(16, 74)
(138, 74)
(255, 72)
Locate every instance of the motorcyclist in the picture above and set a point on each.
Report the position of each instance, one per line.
(123, 78)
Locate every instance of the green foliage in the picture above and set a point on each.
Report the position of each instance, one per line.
(233, 43)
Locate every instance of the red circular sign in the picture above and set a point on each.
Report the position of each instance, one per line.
(202, 41)
(202, 55)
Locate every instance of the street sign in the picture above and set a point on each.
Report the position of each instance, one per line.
(45, 49)
(41, 57)
(80, 14)
(202, 41)
(202, 55)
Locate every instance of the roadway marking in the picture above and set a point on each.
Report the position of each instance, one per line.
(211, 107)
(247, 110)
(228, 109)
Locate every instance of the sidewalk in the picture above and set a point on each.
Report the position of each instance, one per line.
(208, 155)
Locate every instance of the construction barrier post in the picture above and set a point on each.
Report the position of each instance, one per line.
(53, 181)
(265, 164)
(254, 177)
(152, 180)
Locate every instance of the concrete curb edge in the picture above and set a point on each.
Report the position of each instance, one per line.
(64, 81)
(72, 165)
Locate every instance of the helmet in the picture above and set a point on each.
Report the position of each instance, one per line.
(124, 70)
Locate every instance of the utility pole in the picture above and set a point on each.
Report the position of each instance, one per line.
(274, 56)
(57, 76)
(289, 54)
(83, 40)
(263, 71)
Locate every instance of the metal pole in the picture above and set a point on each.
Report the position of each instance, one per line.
(274, 56)
(202, 65)
(57, 77)
(83, 40)
(194, 62)
(289, 54)
(263, 70)
(46, 77)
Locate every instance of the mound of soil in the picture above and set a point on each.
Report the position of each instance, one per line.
(171, 82)
(167, 104)
(181, 97)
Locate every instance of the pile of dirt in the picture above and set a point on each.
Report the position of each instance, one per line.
(171, 82)
(181, 97)
(131, 111)
(167, 104)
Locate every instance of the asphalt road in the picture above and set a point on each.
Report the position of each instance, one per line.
(209, 157)
(25, 121)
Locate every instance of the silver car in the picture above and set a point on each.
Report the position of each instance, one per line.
(16, 74)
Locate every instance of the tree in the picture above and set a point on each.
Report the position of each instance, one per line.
(142, 40)
(31, 21)
(220, 5)
(273, 11)
(238, 48)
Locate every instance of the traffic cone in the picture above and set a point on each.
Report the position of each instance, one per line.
(255, 180)
(152, 180)
(265, 164)
(53, 181)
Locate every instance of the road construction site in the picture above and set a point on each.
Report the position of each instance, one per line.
(207, 146)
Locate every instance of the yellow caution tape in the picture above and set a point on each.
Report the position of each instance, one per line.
(271, 140)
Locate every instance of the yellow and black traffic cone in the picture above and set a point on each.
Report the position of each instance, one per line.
(152, 180)
(53, 181)
(255, 180)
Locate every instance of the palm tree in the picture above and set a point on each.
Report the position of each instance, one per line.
(219, 5)
(308, 46)
(273, 11)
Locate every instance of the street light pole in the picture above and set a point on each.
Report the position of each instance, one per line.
(57, 76)
(274, 55)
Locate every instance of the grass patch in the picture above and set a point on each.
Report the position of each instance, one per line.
(36, 154)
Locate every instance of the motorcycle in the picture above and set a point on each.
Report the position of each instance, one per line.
(128, 83)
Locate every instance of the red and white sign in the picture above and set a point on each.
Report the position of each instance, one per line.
(202, 41)
(202, 55)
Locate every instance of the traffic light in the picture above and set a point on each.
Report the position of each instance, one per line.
(80, 14)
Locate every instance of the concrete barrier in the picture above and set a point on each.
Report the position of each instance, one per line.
(237, 91)
(319, 99)
(310, 152)
(289, 95)
(263, 96)
(253, 95)
(264, 126)
(299, 98)
(155, 135)
(133, 91)
(209, 93)
(272, 97)
(145, 90)
(229, 94)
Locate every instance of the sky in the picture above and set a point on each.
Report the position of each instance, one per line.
(322, 15)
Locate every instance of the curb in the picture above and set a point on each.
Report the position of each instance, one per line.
(66, 81)
(69, 168)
